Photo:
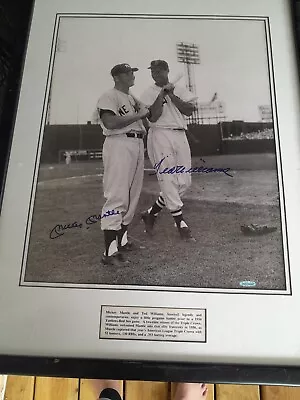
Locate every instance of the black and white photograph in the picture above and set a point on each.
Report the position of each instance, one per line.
(158, 164)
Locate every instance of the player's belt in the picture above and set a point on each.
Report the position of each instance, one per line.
(178, 129)
(135, 135)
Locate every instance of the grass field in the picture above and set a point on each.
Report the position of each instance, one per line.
(215, 207)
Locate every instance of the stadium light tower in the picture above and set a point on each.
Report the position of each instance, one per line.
(188, 54)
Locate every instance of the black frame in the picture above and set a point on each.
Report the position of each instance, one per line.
(263, 374)
(150, 370)
(15, 21)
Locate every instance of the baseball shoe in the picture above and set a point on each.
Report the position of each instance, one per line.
(129, 246)
(186, 234)
(149, 221)
(116, 260)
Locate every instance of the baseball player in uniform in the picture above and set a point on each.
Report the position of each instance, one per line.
(68, 158)
(123, 158)
(167, 144)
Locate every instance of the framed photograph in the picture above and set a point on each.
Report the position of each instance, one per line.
(149, 219)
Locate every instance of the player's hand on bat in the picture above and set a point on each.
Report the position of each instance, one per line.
(143, 112)
(143, 108)
(139, 104)
(169, 87)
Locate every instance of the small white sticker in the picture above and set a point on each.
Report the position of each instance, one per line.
(147, 323)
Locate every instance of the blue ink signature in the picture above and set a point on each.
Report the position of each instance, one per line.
(248, 283)
(180, 169)
(59, 229)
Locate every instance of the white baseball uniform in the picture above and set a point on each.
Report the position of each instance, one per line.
(167, 140)
(123, 159)
(68, 157)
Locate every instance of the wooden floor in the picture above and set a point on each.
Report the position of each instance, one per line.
(38, 388)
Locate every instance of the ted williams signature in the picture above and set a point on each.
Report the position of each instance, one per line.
(180, 169)
(60, 229)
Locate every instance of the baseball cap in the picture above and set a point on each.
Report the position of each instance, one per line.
(160, 64)
(121, 69)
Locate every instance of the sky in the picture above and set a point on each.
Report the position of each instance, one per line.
(233, 62)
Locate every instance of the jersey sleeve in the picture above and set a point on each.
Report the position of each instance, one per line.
(106, 102)
(148, 97)
(185, 95)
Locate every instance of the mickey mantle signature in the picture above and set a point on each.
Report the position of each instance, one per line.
(60, 229)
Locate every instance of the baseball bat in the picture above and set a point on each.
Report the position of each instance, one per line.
(173, 81)
(176, 78)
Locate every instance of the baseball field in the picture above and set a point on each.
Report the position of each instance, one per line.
(215, 208)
